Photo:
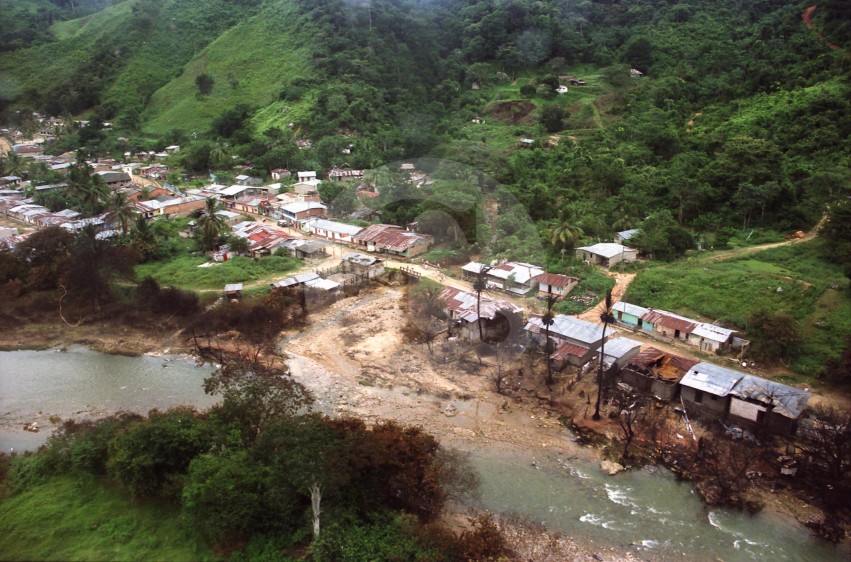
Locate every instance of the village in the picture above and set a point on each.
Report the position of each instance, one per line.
(490, 321)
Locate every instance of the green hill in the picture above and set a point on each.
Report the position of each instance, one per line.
(250, 63)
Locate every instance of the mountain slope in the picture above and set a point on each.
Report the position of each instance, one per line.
(250, 64)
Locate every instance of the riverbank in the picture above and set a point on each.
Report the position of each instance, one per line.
(354, 357)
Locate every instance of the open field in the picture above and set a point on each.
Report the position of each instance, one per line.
(184, 271)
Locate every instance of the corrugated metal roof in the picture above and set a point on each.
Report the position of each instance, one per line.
(633, 309)
(333, 226)
(619, 347)
(606, 249)
(233, 287)
(788, 401)
(713, 332)
(627, 234)
(712, 379)
(465, 305)
(670, 320)
(555, 279)
(568, 327)
(390, 237)
(570, 349)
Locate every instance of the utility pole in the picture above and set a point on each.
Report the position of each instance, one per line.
(480, 286)
(606, 317)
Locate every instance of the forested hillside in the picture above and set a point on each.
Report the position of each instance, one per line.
(739, 120)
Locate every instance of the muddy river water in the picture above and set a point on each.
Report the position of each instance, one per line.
(646, 512)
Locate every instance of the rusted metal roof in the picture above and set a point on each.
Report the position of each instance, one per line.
(569, 349)
(390, 237)
(556, 279)
(465, 305)
(670, 320)
(665, 365)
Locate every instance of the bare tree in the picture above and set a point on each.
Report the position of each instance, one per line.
(630, 408)
(826, 439)
(499, 369)
(724, 466)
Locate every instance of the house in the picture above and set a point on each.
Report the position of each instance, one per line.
(561, 90)
(607, 254)
(670, 325)
(362, 264)
(308, 187)
(618, 352)
(340, 175)
(656, 372)
(513, 277)
(305, 249)
(742, 398)
(10, 181)
(635, 73)
(171, 207)
(306, 176)
(115, 180)
(767, 404)
(294, 212)
(711, 338)
(331, 230)
(308, 280)
(555, 284)
(233, 291)
(625, 235)
(244, 179)
(262, 240)
(280, 174)
(631, 315)
(497, 319)
(576, 340)
(252, 204)
(525, 142)
(392, 239)
(706, 389)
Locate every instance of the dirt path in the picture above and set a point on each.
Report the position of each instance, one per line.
(807, 16)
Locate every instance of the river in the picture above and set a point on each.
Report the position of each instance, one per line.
(645, 511)
(80, 383)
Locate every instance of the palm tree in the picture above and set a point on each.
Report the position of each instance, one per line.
(88, 188)
(565, 235)
(606, 317)
(211, 225)
(219, 156)
(12, 164)
(121, 209)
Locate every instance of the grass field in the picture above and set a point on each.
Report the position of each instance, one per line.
(794, 279)
(66, 519)
(184, 272)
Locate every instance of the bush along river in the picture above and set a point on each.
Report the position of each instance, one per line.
(644, 511)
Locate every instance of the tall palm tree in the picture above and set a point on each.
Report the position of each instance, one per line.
(606, 317)
(565, 235)
(211, 225)
(121, 209)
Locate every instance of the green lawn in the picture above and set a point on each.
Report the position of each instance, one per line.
(65, 519)
(184, 272)
(793, 279)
